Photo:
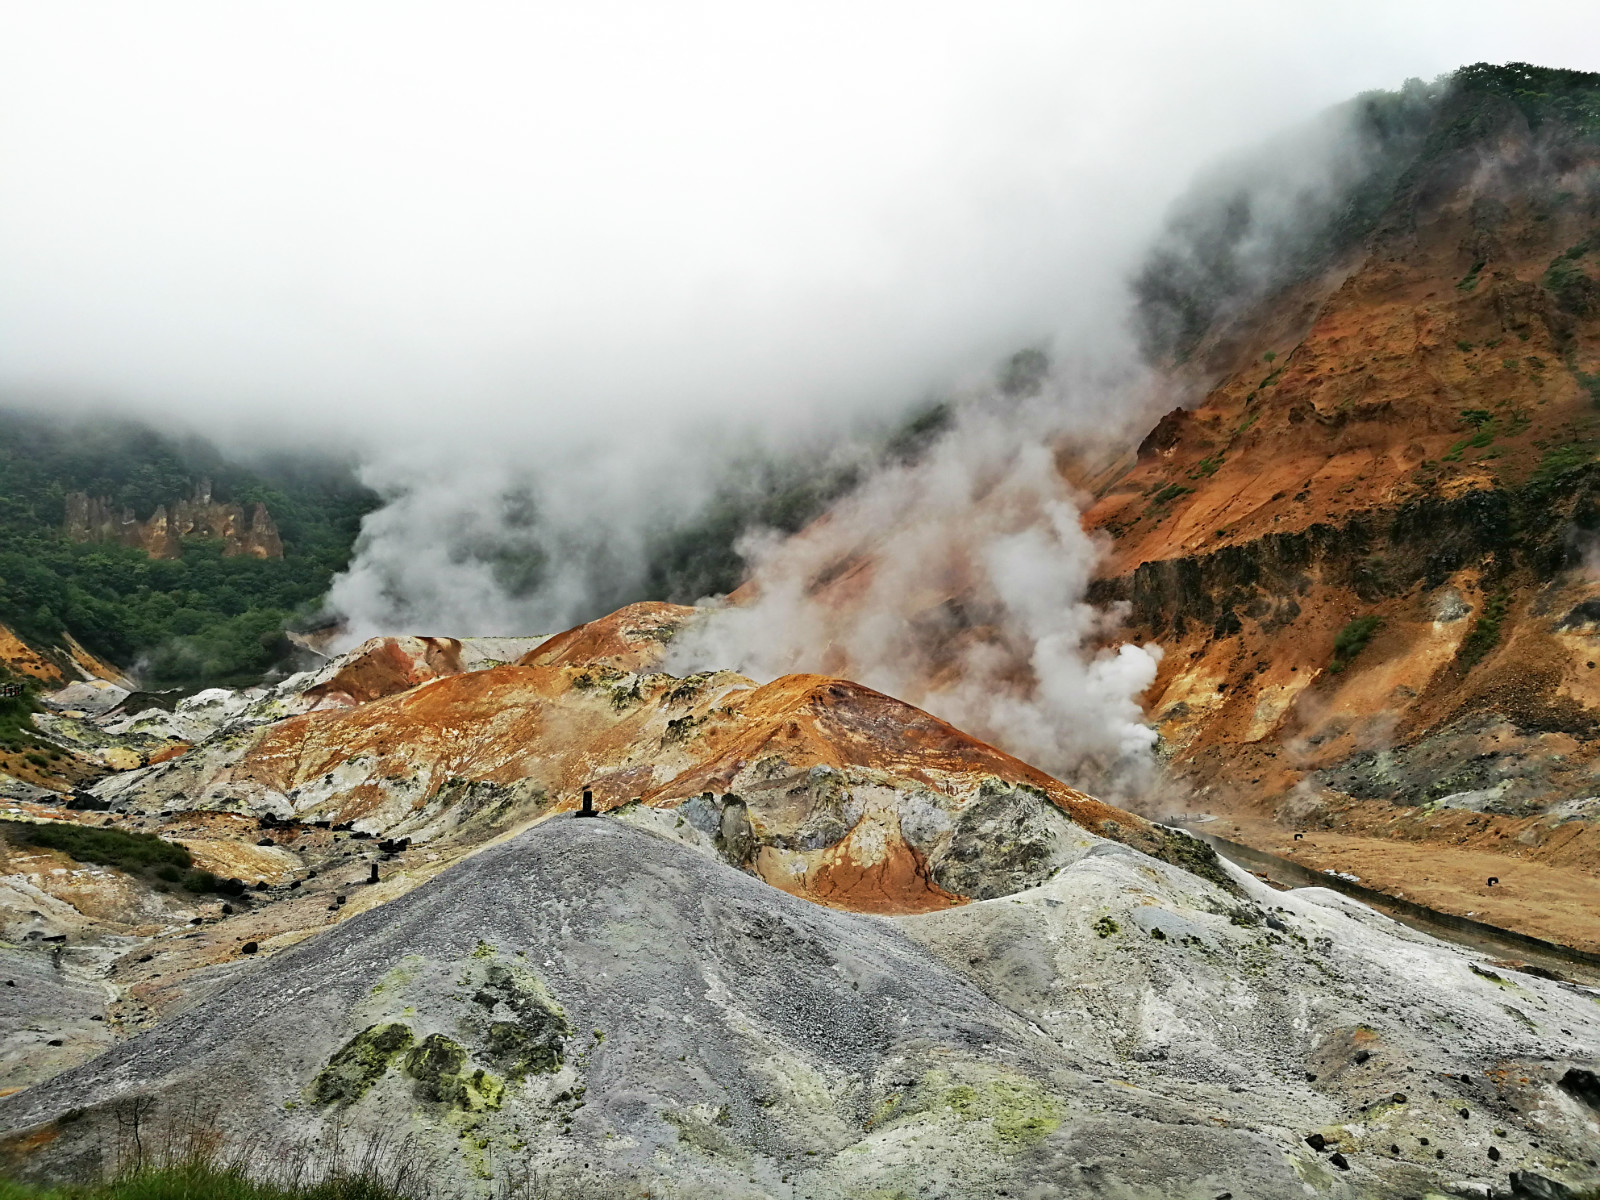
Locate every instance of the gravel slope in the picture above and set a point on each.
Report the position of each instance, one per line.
(1126, 1029)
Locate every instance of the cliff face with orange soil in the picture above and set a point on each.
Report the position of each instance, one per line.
(243, 531)
(825, 788)
(1370, 551)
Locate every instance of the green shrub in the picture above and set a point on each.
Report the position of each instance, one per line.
(1558, 460)
(1485, 631)
(1352, 640)
(131, 852)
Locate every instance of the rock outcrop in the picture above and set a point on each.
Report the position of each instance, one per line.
(243, 531)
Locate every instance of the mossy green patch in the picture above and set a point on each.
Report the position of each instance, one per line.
(1020, 1112)
(1186, 851)
(359, 1063)
(444, 1074)
(1352, 640)
(527, 1030)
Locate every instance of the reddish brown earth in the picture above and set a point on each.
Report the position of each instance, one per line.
(1410, 438)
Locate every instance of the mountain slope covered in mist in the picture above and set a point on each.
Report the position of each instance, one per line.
(202, 616)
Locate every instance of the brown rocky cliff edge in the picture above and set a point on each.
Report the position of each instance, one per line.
(244, 531)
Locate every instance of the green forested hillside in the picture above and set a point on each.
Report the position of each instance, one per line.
(202, 618)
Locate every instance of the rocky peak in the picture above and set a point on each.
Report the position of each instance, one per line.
(243, 530)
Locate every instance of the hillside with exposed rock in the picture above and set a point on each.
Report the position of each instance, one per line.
(815, 942)
(593, 914)
(1369, 550)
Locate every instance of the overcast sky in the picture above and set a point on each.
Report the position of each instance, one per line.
(535, 221)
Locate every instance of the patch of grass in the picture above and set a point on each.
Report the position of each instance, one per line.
(1558, 460)
(1575, 291)
(1352, 640)
(135, 853)
(1463, 346)
(1589, 383)
(1207, 466)
(1485, 632)
(132, 852)
(207, 1177)
(1168, 494)
(1470, 279)
(16, 715)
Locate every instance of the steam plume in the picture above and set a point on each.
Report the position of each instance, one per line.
(958, 583)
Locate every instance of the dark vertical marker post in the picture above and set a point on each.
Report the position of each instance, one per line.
(588, 804)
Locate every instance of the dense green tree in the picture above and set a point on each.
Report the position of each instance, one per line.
(199, 619)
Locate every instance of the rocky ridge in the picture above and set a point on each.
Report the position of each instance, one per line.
(243, 531)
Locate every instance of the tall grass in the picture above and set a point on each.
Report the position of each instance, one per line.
(202, 1180)
(188, 1159)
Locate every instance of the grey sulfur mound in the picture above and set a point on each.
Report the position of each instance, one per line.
(618, 1014)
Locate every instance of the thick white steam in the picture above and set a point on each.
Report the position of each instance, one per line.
(958, 583)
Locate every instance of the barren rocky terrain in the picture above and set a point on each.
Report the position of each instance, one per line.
(815, 942)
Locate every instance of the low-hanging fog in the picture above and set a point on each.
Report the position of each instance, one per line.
(557, 274)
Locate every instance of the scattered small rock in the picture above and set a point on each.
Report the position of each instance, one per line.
(1339, 1161)
(1398, 1097)
(1316, 1141)
(1494, 1154)
(1361, 1056)
(249, 948)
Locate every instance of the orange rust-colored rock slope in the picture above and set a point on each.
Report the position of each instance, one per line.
(802, 780)
(1370, 550)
